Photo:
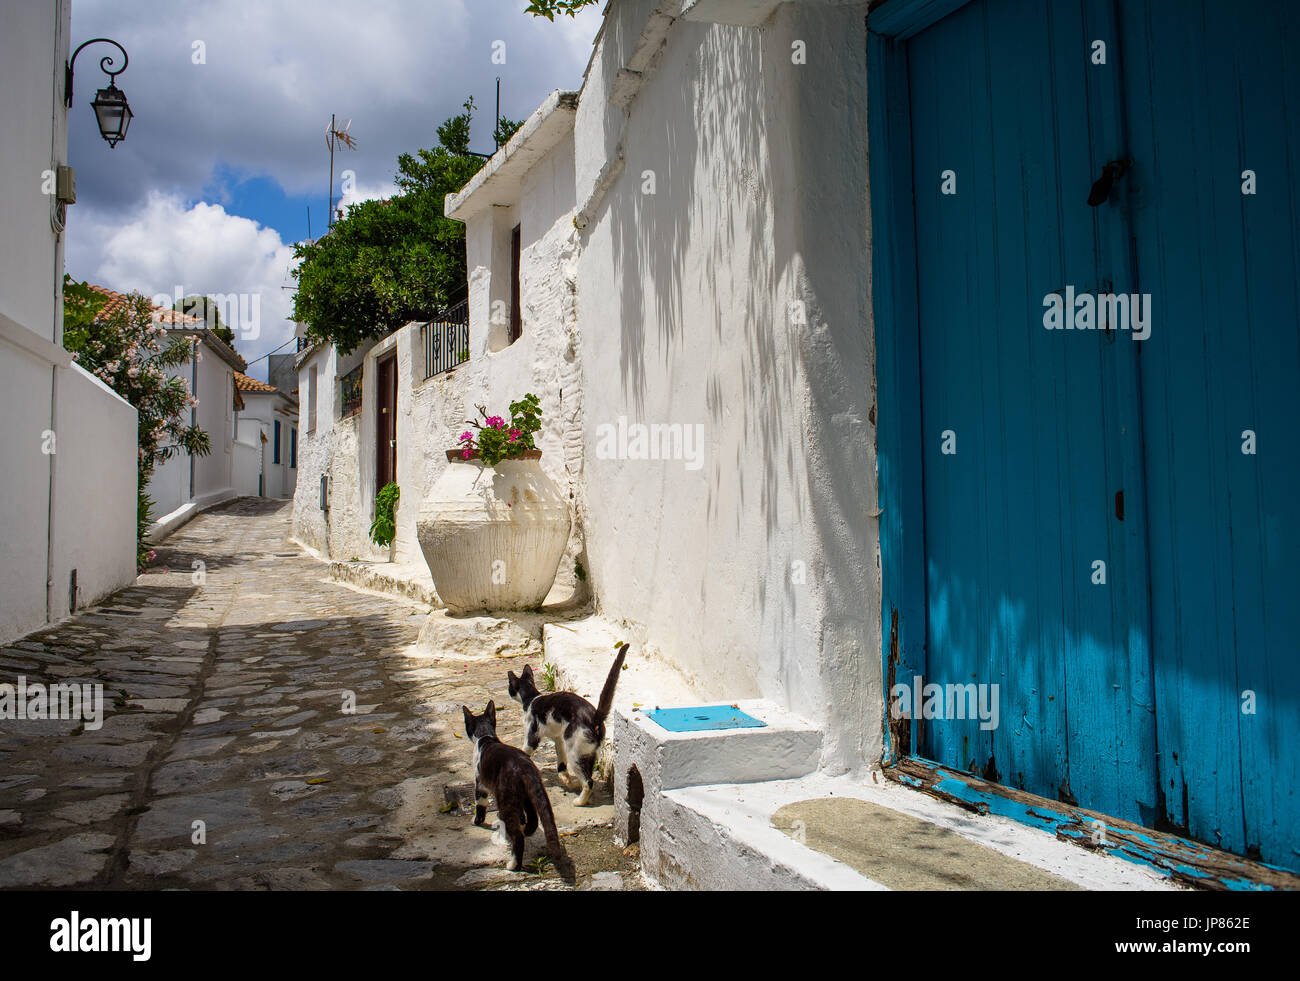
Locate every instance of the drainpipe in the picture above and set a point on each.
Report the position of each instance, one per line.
(49, 518)
(56, 335)
(194, 412)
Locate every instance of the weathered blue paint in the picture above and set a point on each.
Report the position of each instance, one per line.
(987, 554)
(898, 405)
(1018, 498)
(1186, 861)
(1214, 90)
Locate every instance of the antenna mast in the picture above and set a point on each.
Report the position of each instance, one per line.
(333, 137)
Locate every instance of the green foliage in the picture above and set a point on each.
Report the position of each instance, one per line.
(143, 510)
(384, 528)
(128, 352)
(498, 440)
(506, 128)
(549, 8)
(206, 310)
(386, 263)
(81, 304)
(548, 677)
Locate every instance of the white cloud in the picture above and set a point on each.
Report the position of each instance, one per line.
(272, 74)
(198, 249)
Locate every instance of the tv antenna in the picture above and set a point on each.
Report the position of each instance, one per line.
(335, 137)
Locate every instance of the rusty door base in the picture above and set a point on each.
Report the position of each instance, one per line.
(1187, 862)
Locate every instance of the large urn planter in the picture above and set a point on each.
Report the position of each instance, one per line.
(493, 536)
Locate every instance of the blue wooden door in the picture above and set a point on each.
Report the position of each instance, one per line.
(1109, 534)
(1035, 572)
(1213, 95)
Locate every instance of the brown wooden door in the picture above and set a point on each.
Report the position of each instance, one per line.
(386, 427)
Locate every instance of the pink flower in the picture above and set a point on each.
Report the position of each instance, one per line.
(496, 422)
(514, 435)
(466, 453)
(466, 435)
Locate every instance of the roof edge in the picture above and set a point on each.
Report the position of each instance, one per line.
(540, 132)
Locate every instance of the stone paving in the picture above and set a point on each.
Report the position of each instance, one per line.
(227, 758)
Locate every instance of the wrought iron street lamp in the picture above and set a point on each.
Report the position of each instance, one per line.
(112, 112)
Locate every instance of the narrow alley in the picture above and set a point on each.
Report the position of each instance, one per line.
(264, 728)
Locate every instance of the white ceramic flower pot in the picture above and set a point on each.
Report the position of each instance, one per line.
(493, 536)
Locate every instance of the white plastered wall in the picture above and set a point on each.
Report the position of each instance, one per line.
(67, 495)
(756, 574)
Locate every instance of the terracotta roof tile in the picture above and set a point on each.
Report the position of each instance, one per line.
(246, 384)
(173, 320)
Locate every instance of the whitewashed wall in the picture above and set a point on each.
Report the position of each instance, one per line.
(67, 488)
(757, 573)
(258, 417)
(431, 412)
(95, 490)
(214, 473)
(211, 380)
(25, 383)
(315, 448)
(35, 140)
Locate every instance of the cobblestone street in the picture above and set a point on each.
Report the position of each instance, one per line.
(226, 669)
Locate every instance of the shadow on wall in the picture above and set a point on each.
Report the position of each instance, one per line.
(760, 174)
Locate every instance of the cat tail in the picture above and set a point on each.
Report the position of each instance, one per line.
(542, 805)
(607, 693)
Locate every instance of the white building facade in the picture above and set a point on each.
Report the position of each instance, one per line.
(655, 258)
(266, 425)
(69, 443)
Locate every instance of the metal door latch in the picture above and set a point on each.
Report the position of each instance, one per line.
(1112, 172)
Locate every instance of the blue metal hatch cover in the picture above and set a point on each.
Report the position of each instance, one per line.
(705, 717)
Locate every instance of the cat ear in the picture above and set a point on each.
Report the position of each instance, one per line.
(510, 677)
(528, 671)
(491, 713)
(469, 721)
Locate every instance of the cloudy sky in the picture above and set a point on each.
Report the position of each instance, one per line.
(226, 153)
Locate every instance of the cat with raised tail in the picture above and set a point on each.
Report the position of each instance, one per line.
(510, 776)
(575, 725)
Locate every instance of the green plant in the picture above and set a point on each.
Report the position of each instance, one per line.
(143, 510)
(384, 528)
(549, 8)
(548, 677)
(129, 352)
(540, 864)
(498, 440)
(387, 262)
(207, 310)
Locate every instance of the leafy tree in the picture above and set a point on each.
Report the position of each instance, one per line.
(386, 263)
(206, 310)
(506, 128)
(549, 8)
(128, 351)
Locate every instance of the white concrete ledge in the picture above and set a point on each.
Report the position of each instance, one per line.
(12, 332)
(721, 837)
(498, 181)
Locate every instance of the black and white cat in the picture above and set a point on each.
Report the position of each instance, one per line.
(510, 776)
(576, 726)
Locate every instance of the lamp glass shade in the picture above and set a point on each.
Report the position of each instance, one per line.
(112, 113)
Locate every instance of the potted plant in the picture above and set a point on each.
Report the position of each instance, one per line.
(493, 527)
